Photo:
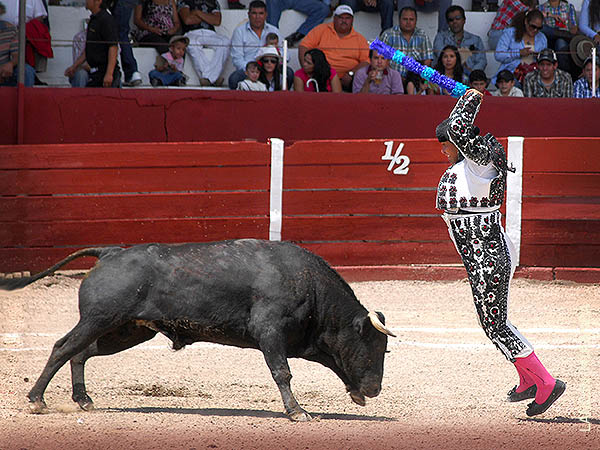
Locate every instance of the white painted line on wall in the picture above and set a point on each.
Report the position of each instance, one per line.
(275, 205)
(514, 194)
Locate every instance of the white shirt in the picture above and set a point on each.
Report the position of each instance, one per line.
(33, 9)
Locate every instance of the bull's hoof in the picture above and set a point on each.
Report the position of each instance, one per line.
(300, 416)
(38, 407)
(86, 405)
(358, 398)
(84, 401)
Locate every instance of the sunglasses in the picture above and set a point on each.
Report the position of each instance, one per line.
(453, 19)
(535, 27)
(270, 60)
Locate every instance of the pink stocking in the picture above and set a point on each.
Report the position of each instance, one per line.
(532, 367)
(525, 380)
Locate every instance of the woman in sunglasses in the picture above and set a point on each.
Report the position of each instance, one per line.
(316, 75)
(519, 44)
(270, 68)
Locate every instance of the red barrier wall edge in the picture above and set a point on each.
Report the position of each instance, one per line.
(63, 115)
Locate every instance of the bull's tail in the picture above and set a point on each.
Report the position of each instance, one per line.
(10, 284)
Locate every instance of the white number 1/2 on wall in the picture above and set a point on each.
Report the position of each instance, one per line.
(402, 160)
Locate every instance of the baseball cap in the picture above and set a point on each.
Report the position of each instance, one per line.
(343, 9)
(547, 55)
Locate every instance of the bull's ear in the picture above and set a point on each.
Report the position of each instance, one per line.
(360, 324)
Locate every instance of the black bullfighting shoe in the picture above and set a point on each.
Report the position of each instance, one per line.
(514, 396)
(534, 408)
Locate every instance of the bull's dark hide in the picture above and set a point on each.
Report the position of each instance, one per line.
(272, 296)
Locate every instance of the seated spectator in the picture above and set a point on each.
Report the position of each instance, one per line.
(316, 75)
(156, 22)
(385, 8)
(38, 47)
(583, 86)
(479, 80)
(346, 49)
(273, 41)
(34, 9)
(506, 12)
(251, 82)
(415, 85)
(505, 82)
(9, 54)
(589, 21)
(427, 6)
(450, 65)
(470, 46)
(101, 48)
(200, 17)
(518, 45)
(270, 70)
(81, 75)
(409, 39)
(560, 25)
(168, 70)
(377, 77)
(122, 11)
(548, 80)
(315, 10)
(248, 38)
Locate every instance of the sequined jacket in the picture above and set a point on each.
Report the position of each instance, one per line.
(477, 182)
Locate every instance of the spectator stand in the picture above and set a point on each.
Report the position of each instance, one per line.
(66, 21)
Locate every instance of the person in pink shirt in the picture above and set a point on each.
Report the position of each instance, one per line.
(316, 74)
(169, 65)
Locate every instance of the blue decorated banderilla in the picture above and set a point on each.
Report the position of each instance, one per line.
(455, 88)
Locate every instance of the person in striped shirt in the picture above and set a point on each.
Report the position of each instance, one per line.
(9, 54)
(560, 24)
(409, 39)
(583, 86)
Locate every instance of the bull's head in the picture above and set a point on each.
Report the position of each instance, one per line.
(362, 360)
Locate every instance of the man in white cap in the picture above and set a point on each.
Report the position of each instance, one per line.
(346, 49)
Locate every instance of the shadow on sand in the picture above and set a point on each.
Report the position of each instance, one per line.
(560, 419)
(242, 413)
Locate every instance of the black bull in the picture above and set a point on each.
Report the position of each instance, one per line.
(271, 296)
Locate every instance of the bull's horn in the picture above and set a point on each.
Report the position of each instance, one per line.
(378, 325)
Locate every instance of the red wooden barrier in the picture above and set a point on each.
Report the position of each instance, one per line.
(561, 202)
(341, 199)
(58, 198)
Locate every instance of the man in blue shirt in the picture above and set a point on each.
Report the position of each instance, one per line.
(248, 38)
(470, 46)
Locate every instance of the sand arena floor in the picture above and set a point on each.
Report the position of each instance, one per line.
(444, 384)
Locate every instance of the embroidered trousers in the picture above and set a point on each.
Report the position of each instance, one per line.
(485, 250)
